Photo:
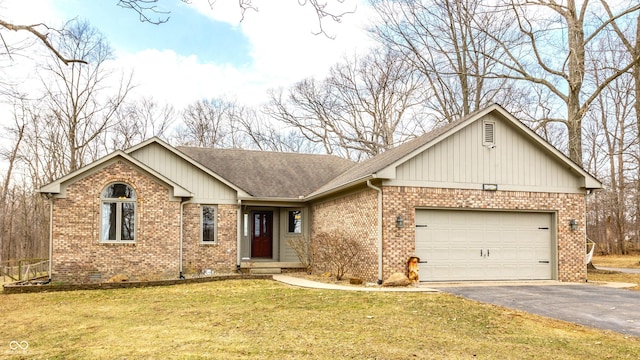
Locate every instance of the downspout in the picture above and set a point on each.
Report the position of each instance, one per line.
(182, 202)
(239, 237)
(380, 274)
(50, 198)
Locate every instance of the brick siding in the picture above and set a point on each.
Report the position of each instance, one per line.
(356, 214)
(80, 257)
(219, 256)
(399, 244)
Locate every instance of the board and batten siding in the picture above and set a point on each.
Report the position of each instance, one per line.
(514, 163)
(206, 189)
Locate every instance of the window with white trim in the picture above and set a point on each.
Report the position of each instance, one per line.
(208, 224)
(118, 213)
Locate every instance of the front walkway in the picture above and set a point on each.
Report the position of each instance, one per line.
(306, 283)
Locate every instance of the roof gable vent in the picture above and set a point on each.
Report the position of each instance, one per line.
(488, 132)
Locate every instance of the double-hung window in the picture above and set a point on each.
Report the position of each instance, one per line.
(118, 202)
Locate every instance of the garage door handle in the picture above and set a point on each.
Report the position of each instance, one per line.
(422, 262)
(421, 225)
(543, 261)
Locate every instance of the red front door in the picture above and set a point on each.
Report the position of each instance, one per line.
(262, 234)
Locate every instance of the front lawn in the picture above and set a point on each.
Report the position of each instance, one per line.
(263, 319)
(616, 261)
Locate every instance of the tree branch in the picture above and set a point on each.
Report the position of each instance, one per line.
(43, 38)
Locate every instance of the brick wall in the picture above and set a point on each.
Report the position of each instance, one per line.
(356, 215)
(399, 244)
(78, 254)
(219, 257)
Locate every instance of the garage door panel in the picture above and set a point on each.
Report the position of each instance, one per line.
(483, 245)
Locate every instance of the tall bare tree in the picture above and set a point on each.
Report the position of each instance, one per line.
(138, 121)
(561, 38)
(79, 100)
(364, 107)
(441, 40)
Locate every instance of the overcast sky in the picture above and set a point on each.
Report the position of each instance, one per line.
(202, 52)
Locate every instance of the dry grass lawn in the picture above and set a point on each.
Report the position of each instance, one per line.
(616, 261)
(239, 319)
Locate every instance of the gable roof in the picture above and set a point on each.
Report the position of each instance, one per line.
(278, 175)
(264, 174)
(383, 165)
(58, 186)
(188, 159)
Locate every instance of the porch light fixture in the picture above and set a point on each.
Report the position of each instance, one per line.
(399, 222)
(573, 224)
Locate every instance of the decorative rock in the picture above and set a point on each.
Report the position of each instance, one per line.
(355, 281)
(397, 279)
(119, 278)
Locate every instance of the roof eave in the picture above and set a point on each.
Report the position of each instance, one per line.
(56, 186)
(344, 186)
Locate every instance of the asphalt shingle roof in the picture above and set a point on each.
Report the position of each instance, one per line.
(265, 174)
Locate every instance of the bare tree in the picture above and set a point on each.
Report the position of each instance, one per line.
(23, 225)
(561, 45)
(209, 123)
(138, 121)
(364, 107)
(331, 10)
(262, 133)
(78, 98)
(10, 156)
(39, 31)
(441, 40)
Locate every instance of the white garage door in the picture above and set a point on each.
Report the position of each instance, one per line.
(484, 245)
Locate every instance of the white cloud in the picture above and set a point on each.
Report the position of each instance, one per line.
(284, 47)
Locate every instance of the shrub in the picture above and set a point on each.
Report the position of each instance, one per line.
(336, 251)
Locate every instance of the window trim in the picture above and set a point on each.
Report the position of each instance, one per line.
(119, 201)
(215, 224)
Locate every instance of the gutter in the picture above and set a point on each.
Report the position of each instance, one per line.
(380, 273)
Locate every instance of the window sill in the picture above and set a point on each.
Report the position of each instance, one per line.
(208, 243)
(117, 242)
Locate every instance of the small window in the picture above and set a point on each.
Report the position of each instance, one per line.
(118, 213)
(295, 221)
(489, 134)
(208, 224)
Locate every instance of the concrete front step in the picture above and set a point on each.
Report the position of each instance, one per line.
(265, 271)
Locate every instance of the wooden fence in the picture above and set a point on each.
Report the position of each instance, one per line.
(24, 269)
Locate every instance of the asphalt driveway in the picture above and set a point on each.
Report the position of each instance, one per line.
(595, 306)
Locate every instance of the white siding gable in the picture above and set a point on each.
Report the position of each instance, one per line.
(466, 160)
